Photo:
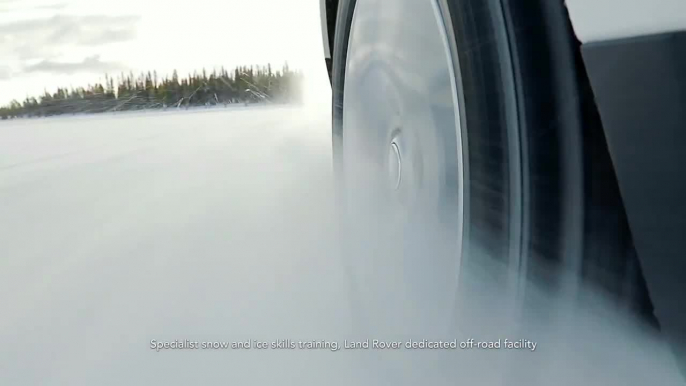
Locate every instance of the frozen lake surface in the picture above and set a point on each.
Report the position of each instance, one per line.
(207, 226)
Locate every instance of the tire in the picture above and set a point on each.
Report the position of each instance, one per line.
(483, 109)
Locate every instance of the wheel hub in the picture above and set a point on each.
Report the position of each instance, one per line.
(395, 166)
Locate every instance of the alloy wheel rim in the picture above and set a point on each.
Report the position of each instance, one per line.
(403, 158)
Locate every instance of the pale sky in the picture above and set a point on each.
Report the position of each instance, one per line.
(52, 43)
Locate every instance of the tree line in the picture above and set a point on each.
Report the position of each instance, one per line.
(244, 84)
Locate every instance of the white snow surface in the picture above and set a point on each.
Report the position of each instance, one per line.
(219, 226)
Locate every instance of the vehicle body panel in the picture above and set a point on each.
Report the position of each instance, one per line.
(634, 52)
(640, 89)
(599, 20)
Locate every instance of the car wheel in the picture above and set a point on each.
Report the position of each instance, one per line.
(471, 163)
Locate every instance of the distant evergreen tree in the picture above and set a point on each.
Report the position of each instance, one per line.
(146, 91)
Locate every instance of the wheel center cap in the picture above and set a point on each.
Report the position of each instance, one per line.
(394, 165)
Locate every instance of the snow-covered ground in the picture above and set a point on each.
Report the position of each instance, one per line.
(118, 230)
(214, 226)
